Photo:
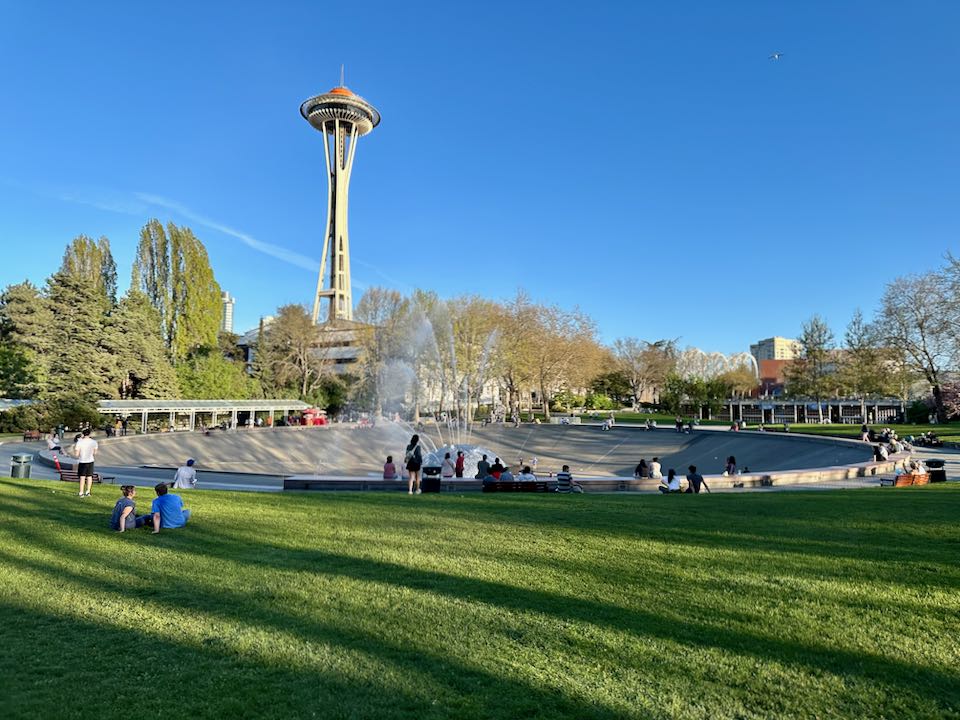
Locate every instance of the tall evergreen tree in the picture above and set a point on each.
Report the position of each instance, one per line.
(79, 361)
(173, 270)
(92, 260)
(16, 376)
(132, 337)
(27, 326)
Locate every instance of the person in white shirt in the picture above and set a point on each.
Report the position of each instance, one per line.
(526, 475)
(672, 484)
(447, 468)
(655, 469)
(53, 442)
(85, 450)
(186, 477)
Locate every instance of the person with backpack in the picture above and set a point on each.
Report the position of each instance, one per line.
(413, 458)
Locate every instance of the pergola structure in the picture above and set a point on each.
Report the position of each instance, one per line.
(192, 408)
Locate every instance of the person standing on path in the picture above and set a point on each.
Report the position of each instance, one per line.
(413, 458)
(186, 477)
(85, 450)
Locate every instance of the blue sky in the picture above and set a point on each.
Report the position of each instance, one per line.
(644, 161)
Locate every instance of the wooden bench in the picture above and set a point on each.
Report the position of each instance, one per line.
(906, 480)
(516, 486)
(31, 435)
(71, 476)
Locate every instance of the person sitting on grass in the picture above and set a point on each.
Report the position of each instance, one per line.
(125, 511)
(565, 483)
(186, 476)
(671, 484)
(389, 469)
(168, 510)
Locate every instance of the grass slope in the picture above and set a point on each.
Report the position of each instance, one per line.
(827, 604)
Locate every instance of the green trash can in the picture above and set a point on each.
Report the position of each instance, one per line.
(20, 466)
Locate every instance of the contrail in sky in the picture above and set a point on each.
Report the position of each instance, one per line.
(280, 253)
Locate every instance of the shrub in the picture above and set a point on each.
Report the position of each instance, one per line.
(919, 411)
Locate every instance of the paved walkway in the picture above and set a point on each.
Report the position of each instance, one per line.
(141, 476)
(147, 476)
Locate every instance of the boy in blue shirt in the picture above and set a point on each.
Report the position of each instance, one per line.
(168, 510)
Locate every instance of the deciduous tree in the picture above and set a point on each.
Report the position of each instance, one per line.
(645, 365)
(92, 261)
(918, 318)
(172, 269)
(384, 312)
(810, 374)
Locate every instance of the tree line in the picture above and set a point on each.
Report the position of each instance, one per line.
(72, 341)
(909, 350)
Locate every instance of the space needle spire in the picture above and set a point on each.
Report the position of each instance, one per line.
(342, 117)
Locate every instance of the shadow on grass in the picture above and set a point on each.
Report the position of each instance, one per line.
(468, 690)
(809, 657)
(470, 687)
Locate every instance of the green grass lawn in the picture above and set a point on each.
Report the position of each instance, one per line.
(948, 432)
(820, 604)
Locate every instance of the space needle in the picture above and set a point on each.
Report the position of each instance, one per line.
(343, 117)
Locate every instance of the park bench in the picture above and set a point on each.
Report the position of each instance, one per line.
(70, 475)
(31, 435)
(516, 486)
(906, 480)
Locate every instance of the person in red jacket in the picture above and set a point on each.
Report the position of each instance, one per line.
(458, 467)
